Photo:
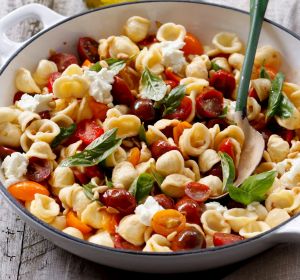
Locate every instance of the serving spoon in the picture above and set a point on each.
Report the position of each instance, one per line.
(254, 144)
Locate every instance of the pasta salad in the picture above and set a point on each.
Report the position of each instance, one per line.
(132, 143)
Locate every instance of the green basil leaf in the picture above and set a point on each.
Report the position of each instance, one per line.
(152, 86)
(96, 152)
(108, 183)
(254, 188)
(215, 66)
(286, 108)
(224, 113)
(275, 97)
(142, 134)
(95, 67)
(65, 132)
(157, 177)
(228, 170)
(88, 190)
(173, 99)
(116, 64)
(263, 74)
(142, 186)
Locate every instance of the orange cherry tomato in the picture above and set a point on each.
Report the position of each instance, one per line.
(167, 221)
(134, 156)
(271, 71)
(99, 109)
(227, 147)
(73, 221)
(87, 63)
(25, 191)
(170, 75)
(192, 45)
(178, 130)
(110, 221)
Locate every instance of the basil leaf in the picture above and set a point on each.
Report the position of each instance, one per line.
(88, 190)
(215, 66)
(224, 113)
(263, 74)
(152, 86)
(253, 188)
(116, 65)
(142, 186)
(276, 96)
(108, 182)
(285, 109)
(228, 170)
(95, 67)
(173, 99)
(142, 134)
(65, 132)
(96, 152)
(157, 177)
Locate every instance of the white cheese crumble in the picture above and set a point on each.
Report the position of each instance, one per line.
(37, 103)
(146, 211)
(101, 84)
(230, 115)
(215, 206)
(14, 167)
(172, 55)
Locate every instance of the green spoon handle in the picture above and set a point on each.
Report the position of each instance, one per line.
(257, 13)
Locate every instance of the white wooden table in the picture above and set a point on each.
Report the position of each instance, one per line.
(24, 254)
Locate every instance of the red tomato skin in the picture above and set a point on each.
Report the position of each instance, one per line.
(63, 60)
(171, 83)
(198, 192)
(88, 131)
(253, 93)
(221, 239)
(93, 171)
(5, 151)
(287, 135)
(121, 92)
(88, 49)
(161, 147)
(121, 243)
(151, 39)
(99, 109)
(52, 79)
(226, 146)
(192, 45)
(170, 75)
(18, 95)
(190, 208)
(224, 82)
(183, 111)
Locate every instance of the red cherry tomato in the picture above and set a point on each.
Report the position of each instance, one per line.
(216, 170)
(190, 208)
(99, 109)
(161, 147)
(209, 104)
(227, 147)
(259, 123)
(4, 152)
(170, 75)
(253, 93)
(287, 135)
(121, 243)
(93, 171)
(45, 115)
(198, 192)
(164, 201)
(224, 82)
(221, 239)
(151, 39)
(171, 83)
(143, 108)
(38, 169)
(63, 60)
(183, 111)
(121, 92)
(52, 79)
(119, 199)
(88, 49)
(88, 131)
(192, 45)
(18, 95)
(80, 177)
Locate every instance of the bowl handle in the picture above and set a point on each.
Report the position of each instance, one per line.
(42, 13)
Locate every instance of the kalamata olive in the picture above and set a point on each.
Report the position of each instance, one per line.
(164, 201)
(121, 92)
(224, 82)
(38, 169)
(52, 79)
(18, 95)
(191, 209)
(88, 49)
(63, 60)
(183, 111)
(119, 199)
(187, 239)
(198, 192)
(4, 152)
(209, 104)
(161, 147)
(143, 108)
(45, 114)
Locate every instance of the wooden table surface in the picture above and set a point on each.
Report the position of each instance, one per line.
(24, 254)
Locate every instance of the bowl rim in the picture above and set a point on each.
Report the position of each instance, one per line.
(81, 242)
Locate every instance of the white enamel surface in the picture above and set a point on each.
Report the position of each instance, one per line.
(197, 18)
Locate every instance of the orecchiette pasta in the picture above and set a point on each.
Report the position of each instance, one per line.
(215, 184)
(213, 221)
(43, 71)
(73, 232)
(61, 177)
(208, 159)
(254, 228)
(10, 134)
(171, 32)
(236, 60)
(25, 82)
(157, 243)
(262, 88)
(194, 84)
(26, 117)
(278, 149)
(227, 42)
(136, 28)
(164, 167)
(116, 157)
(102, 238)
(174, 185)
(123, 175)
(197, 68)
(268, 56)
(276, 216)
(41, 150)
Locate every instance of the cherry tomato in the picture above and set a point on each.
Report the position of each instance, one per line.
(167, 221)
(52, 79)
(190, 209)
(45, 115)
(192, 45)
(4, 152)
(183, 111)
(221, 239)
(168, 131)
(143, 108)
(80, 177)
(161, 147)
(259, 123)
(93, 171)
(164, 201)
(151, 39)
(88, 49)
(18, 95)
(216, 170)
(224, 82)
(253, 93)
(198, 192)
(88, 131)
(26, 190)
(226, 146)
(74, 221)
(121, 243)
(170, 75)
(178, 130)
(209, 104)
(63, 60)
(188, 239)
(119, 199)
(171, 83)
(99, 109)
(121, 92)
(38, 169)
(287, 135)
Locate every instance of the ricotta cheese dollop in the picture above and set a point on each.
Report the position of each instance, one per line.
(37, 103)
